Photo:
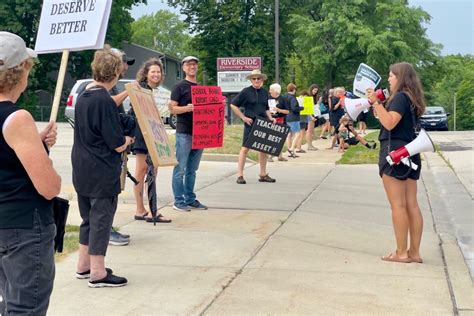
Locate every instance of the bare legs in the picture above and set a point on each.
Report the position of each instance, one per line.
(96, 264)
(406, 215)
(262, 160)
(140, 171)
(310, 134)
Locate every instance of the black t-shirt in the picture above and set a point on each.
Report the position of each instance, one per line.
(254, 101)
(404, 130)
(114, 91)
(95, 163)
(181, 93)
(281, 104)
(339, 112)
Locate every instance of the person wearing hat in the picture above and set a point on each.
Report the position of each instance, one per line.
(184, 173)
(28, 185)
(254, 100)
(116, 96)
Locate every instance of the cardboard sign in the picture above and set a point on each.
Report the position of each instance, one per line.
(208, 126)
(201, 95)
(72, 24)
(365, 78)
(151, 125)
(267, 137)
(307, 103)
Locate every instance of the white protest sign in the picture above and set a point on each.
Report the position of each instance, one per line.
(365, 78)
(73, 25)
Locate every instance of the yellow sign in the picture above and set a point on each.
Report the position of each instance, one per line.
(151, 125)
(307, 103)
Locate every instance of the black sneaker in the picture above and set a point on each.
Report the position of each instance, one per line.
(87, 274)
(109, 281)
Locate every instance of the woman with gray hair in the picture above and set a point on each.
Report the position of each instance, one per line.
(28, 185)
(279, 110)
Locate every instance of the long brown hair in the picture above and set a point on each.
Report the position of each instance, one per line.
(409, 83)
(145, 68)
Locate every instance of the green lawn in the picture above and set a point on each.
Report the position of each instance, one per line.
(71, 242)
(359, 154)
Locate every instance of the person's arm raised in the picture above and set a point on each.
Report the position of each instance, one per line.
(389, 119)
(22, 136)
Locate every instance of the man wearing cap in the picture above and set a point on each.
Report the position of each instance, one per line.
(184, 174)
(28, 183)
(254, 100)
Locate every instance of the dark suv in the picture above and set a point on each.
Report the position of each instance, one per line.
(435, 118)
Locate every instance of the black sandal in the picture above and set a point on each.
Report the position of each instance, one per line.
(158, 219)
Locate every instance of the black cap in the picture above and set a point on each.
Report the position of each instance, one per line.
(129, 60)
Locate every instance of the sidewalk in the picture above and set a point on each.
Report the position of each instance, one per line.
(308, 244)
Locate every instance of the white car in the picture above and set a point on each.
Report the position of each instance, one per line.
(162, 96)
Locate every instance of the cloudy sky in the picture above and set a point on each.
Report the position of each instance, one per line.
(451, 24)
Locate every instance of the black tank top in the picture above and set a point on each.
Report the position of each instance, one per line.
(18, 197)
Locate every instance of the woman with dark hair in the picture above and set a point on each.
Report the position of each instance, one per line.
(324, 107)
(149, 76)
(313, 91)
(28, 183)
(398, 118)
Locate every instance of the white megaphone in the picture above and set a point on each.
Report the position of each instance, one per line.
(354, 107)
(421, 143)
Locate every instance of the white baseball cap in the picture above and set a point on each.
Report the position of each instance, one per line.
(187, 59)
(13, 51)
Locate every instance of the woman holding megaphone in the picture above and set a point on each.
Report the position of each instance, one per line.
(398, 117)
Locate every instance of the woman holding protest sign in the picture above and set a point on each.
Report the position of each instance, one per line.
(149, 76)
(28, 185)
(398, 118)
(96, 167)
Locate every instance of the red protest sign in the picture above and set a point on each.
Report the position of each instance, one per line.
(201, 95)
(208, 126)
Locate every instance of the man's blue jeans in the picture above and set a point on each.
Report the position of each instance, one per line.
(184, 174)
(27, 268)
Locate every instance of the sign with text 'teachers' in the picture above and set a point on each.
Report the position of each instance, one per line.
(72, 24)
(208, 117)
(267, 137)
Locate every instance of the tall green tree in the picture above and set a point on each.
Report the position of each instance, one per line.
(162, 31)
(334, 36)
(225, 28)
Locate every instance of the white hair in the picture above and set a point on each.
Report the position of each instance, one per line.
(276, 88)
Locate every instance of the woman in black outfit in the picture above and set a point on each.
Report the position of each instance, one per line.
(398, 118)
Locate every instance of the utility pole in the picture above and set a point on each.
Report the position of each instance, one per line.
(277, 41)
(454, 112)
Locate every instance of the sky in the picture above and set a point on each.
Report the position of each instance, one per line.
(452, 22)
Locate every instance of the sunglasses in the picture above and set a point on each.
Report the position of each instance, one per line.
(255, 79)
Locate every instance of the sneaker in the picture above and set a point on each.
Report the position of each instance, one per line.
(182, 207)
(125, 236)
(266, 178)
(301, 151)
(87, 274)
(197, 205)
(374, 145)
(116, 240)
(282, 159)
(109, 281)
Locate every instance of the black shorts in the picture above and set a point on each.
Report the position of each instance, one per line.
(362, 117)
(400, 171)
(247, 130)
(304, 125)
(352, 141)
(139, 146)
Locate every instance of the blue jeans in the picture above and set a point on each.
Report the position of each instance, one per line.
(184, 174)
(27, 268)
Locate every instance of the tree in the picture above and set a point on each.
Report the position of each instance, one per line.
(235, 28)
(465, 99)
(162, 31)
(334, 36)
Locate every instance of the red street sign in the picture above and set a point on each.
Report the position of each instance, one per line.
(238, 63)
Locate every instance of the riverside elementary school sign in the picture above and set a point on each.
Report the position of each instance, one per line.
(232, 72)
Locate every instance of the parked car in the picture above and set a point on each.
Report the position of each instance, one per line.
(162, 95)
(434, 118)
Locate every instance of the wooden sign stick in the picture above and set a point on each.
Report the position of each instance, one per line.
(59, 86)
